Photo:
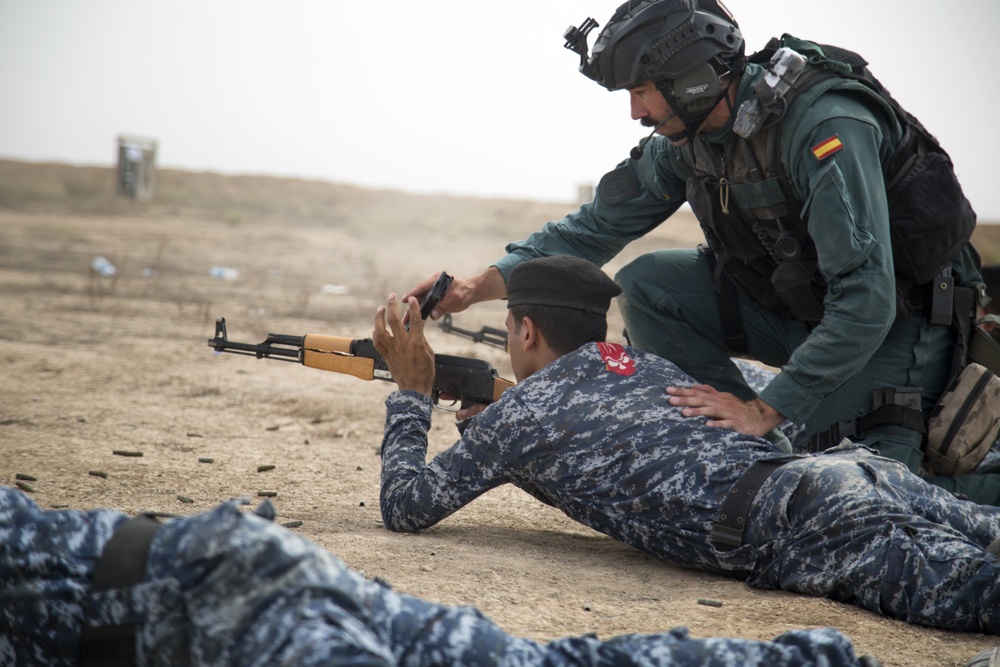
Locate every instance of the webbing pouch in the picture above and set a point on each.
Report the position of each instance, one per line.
(965, 422)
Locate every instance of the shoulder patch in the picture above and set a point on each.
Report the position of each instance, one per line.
(616, 359)
(618, 185)
(827, 147)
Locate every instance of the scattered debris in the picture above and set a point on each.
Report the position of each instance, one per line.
(291, 524)
(205, 459)
(102, 267)
(26, 478)
(98, 473)
(265, 468)
(267, 494)
(24, 486)
(361, 504)
(185, 500)
(224, 273)
(125, 452)
(195, 435)
(586, 606)
(709, 603)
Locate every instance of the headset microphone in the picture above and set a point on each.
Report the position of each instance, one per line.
(636, 152)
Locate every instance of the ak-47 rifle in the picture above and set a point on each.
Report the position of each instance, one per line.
(488, 335)
(469, 381)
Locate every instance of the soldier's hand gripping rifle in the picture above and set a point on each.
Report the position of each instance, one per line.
(461, 379)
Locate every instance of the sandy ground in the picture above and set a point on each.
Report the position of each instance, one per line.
(93, 365)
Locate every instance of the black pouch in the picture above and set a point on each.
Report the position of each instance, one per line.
(930, 218)
(793, 282)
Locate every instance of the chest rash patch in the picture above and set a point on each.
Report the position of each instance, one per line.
(618, 185)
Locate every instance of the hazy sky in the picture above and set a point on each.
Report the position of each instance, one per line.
(449, 96)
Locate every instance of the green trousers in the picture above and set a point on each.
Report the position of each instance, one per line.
(669, 308)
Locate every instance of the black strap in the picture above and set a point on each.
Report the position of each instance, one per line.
(966, 301)
(727, 299)
(122, 565)
(886, 415)
(727, 531)
(892, 415)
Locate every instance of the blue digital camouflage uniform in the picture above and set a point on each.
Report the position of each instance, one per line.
(229, 587)
(607, 449)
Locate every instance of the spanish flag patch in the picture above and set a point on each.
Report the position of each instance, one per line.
(827, 147)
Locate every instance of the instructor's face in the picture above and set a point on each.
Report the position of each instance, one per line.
(650, 108)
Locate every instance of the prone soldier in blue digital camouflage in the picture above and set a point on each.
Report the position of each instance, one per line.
(229, 588)
(836, 233)
(588, 430)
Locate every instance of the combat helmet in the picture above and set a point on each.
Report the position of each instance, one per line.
(682, 46)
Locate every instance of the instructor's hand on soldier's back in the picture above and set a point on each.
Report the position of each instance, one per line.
(725, 410)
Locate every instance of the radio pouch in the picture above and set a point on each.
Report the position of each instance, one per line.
(965, 422)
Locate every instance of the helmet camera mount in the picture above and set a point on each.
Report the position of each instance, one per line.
(576, 41)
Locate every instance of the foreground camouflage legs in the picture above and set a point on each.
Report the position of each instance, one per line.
(231, 588)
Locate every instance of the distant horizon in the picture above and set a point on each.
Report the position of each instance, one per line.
(685, 209)
(290, 177)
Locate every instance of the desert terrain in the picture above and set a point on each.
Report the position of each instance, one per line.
(94, 365)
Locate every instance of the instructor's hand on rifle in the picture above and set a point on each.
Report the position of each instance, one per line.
(407, 353)
(462, 293)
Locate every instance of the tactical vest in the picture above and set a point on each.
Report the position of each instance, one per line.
(741, 191)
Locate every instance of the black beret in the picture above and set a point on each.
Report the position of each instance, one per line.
(562, 281)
